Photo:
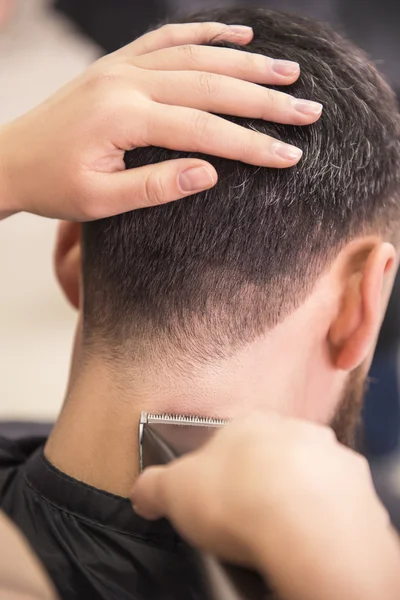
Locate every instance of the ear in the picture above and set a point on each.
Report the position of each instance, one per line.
(365, 295)
(67, 261)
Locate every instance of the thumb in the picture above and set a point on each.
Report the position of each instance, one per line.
(147, 495)
(152, 185)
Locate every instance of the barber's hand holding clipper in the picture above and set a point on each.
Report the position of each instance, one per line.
(283, 496)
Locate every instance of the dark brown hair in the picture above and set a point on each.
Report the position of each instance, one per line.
(204, 275)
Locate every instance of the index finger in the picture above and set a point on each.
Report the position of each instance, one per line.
(186, 33)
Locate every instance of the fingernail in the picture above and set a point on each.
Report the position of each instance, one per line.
(285, 67)
(287, 151)
(307, 107)
(241, 30)
(196, 179)
(137, 510)
(147, 514)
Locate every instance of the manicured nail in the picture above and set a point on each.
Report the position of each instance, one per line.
(146, 513)
(196, 179)
(138, 511)
(241, 30)
(287, 151)
(307, 107)
(285, 67)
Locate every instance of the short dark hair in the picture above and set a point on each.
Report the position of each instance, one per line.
(209, 273)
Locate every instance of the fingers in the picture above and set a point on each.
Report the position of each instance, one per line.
(148, 186)
(229, 96)
(186, 129)
(187, 33)
(223, 61)
(147, 496)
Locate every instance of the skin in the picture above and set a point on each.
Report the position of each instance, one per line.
(111, 108)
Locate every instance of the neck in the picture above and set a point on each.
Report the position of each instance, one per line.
(95, 439)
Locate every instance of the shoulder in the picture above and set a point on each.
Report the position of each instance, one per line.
(14, 452)
(19, 440)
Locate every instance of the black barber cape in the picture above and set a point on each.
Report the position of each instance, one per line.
(91, 542)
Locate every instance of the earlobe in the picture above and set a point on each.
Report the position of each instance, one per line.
(356, 326)
(67, 260)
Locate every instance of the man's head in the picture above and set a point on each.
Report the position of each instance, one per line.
(284, 271)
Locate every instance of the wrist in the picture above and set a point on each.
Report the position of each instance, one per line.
(8, 176)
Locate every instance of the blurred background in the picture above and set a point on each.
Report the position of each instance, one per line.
(43, 44)
(40, 50)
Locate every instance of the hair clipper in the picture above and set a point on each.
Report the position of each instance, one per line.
(162, 438)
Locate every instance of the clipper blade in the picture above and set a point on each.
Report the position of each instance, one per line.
(167, 436)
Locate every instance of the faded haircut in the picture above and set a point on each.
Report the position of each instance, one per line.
(210, 273)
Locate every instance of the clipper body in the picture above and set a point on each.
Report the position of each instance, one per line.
(163, 438)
